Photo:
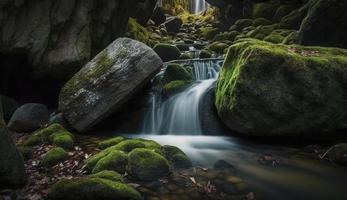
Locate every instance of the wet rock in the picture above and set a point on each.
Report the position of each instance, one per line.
(176, 157)
(256, 96)
(12, 171)
(146, 165)
(167, 52)
(29, 117)
(80, 189)
(102, 86)
(173, 24)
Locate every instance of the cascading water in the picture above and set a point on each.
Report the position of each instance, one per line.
(179, 115)
(198, 6)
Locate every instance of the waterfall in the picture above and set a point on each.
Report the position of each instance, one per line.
(198, 6)
(179, 115)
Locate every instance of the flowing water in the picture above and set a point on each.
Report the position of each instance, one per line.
(176, 121)
(198, 6)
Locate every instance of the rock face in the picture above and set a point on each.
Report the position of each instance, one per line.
(29, 117)
(58, 37)
(12, 172)
(277, 90)
(325, 24)
(102, 86)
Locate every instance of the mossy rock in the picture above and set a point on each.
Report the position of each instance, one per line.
(63, 139)
(125, 146)
(167, 52)
(182, 47)
(209, 32)
(109, 175)
(185, 56)
(292, 38)
(218, 47)
(174, 87)
(115, 161)
(54, 156)
(92, 189)
(243, 23)
(205, 54)
(261, 22)
(260, 84)
(274, 38)
(42, 136)
(264, 10)
(175, 72)
(147, 165)
(110, 142)
(176, 157)
(338, 154)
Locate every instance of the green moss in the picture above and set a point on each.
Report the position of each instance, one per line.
(292, 38)
(205, 54)
(209, 32)
(175, 72)
(111, 142)
(274, 38)
(246, 70)
(92, 189)
(109, 175)
(167, 52)
(63, 139)
(264, 10)
(146, 165)
(175, 86)
(42, 136)
(137, 32)
(177, 158)
(115, 161)
(54, 156)
(261, 22)
(185, 56)
(218, 47)
(243, 23)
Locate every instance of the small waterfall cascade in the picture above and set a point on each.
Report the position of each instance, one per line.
(198, 6)
(179, 114)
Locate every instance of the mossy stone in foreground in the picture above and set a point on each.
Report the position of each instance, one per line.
(42, 135)
(267, 89)
(92, 189)
(110, 142)
(167, 52)
(205, 54)
(177, 158)
(54, 156)
(116, 161)
(147, 165)
(109, 175)
(63, 139)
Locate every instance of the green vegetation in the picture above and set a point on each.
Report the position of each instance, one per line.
(54, 156)
(175, 72)
(115, 160)
(177, 158)
(110, 142)
(109, 175)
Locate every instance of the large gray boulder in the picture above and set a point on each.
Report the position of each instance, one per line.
(12, 172)
(29, 117)
(102, 86)
(277, 90)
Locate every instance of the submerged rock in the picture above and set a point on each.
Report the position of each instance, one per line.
(92, 189)
(29, 117)
(277, 90)
(102, 86)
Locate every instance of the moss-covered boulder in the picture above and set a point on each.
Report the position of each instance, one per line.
(110, 142)
(266, 89)
(54, 156)
(205, 54)
(109, 175)
(176, 157)
(185, 56)
(167, 52)
(338, 153)
(137, 32)
(115, 161)
(174, 87)
(107, 82)
(274, 38)
(218, 47)
(175, 72)
(63, 139)
(92, 189)
(261, 22)
(147, 165)
(208, 32)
